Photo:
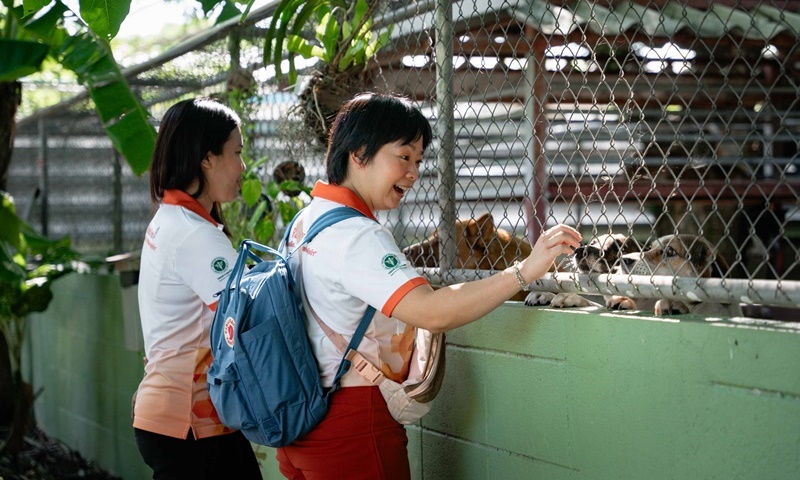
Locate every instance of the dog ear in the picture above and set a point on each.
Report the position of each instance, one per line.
(719, 267)
(470, 231)
(486, 225)
(630, 245)
(706, 259)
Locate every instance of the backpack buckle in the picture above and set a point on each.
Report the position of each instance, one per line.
(367, 370)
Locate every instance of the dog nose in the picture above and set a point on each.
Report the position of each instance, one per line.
(580, 251)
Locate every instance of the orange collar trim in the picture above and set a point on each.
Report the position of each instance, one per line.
(343, 195)
(183, 199)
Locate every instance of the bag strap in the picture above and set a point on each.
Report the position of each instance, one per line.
(349, 351)
(363, 367)
(324, 221)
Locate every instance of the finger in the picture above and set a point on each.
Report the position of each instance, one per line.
(567, 238)
(561, 228)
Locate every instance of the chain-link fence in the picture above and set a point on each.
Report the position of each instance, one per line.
(639, 118)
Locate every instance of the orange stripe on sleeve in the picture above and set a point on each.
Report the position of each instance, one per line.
(213, 306)
(401, 292)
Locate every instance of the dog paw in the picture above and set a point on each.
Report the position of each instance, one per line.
(670, 307)
(539, 298)
(569, 300)
(619, 302)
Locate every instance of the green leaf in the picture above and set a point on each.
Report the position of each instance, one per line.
(43, 26)
(300, 46)
(290, 17)
(382, 40)
(360, 10)
(124, 119)
(10, 271)
(9, 220)
(208, 5)
(30, 7)
(35, 298)
(346, 29)
(291, 187)
(20, 58)
(257, 163)
(354, 54)
(48, 250)
(264, 230)
(133, 136)
(229, 11)
(248, 5)
(276, 33)
(273, 189)
(330, 37)
(287, 211)
(251, 191)
(79, 53)
(256, 216)
(104, 17)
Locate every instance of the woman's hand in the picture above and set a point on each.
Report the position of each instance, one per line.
(550, 244)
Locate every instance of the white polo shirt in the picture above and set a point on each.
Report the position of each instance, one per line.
(346, 267)
(186, 259)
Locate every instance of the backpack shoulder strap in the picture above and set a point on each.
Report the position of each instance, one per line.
(324, 221)
(329, 218)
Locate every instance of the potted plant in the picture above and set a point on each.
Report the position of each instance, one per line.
(343, 39)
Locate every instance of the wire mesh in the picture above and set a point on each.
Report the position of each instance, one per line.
(637, 118)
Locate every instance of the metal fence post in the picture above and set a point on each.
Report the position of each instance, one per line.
(43, 181)
(535, 108)
(443, 26)
(117, 208)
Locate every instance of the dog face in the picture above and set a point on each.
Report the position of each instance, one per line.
(603, 252)
(481, 245)
(676, 255)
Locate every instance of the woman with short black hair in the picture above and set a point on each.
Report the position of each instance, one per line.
(374, 154)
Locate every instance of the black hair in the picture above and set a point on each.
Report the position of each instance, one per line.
(368, 122)
(188, 132)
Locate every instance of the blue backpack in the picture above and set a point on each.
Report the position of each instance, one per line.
(264, 379)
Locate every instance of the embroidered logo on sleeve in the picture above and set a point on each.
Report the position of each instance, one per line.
(392, 263)
(219, 264)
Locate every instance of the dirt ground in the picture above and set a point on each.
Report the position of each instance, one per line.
(45, 458)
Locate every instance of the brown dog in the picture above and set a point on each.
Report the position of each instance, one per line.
(481, 245)
(675, 255)
(600, 255)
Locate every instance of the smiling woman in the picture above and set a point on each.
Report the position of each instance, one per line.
(376, 146)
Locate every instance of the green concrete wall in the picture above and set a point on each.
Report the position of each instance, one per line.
(77, 359)
(529, 393)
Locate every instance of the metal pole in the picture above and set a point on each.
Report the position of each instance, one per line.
(117, 205)
(443, 28)
(536, 203)
(736, 290)
(43, 180)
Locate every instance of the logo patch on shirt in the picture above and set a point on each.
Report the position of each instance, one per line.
(392, 263)
(230, 324)
(219, 264)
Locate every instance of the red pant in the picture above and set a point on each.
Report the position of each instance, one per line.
(358, 438)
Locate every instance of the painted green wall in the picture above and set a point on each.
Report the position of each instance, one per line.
(529, 393)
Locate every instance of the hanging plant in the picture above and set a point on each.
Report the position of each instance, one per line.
(343, 39)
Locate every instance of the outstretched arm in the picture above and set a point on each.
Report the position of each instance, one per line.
(455, 305)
